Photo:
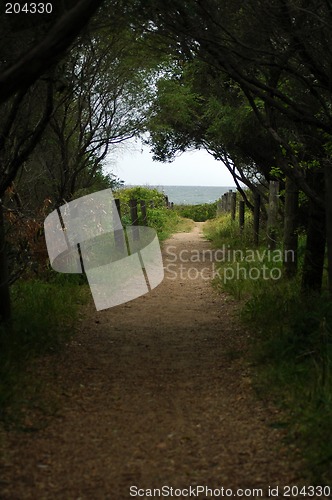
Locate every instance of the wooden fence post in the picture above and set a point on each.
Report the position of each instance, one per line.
(225, 202)
(241, 214)
(133, 212)
(134, 218)
(228, 207)
(143, 210)
(219, 206)
(118, 206)
(233, 205)
(118, 233)
(257, 209)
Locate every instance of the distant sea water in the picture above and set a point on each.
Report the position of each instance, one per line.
(193, 195)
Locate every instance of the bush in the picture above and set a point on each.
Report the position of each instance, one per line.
(140, 193)
(198, 213)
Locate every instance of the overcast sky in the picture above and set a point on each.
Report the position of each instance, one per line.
(134, 165)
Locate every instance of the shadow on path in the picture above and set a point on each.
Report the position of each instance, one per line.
(155, 392)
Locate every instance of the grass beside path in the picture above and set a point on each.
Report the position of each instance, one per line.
(44, 318)
(292, 341)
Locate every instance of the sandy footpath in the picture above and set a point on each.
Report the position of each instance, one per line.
(156, 392)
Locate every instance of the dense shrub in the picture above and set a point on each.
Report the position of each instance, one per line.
(140, 193)
(198, 213)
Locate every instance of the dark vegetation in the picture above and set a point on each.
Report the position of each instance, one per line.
(248, 81)
(291, 339)
(45, 315)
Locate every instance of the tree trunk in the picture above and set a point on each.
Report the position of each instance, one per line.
(273, 214)
(257, 212)
(315, 250)
(5, 305)
(290, 228)
(328, 216)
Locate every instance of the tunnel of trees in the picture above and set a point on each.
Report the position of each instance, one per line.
(248, 81)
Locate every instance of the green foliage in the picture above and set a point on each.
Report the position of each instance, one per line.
(44, 319)
(198, 213)
(100, 180)
(140, 193)
(177, 101)
(173, 117)
(159, 217)
(294, 361)
(224, 230)
(164, 221)
(277, 172)
(243, 270)
(291, 347)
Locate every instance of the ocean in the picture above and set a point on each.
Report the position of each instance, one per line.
(193, 195)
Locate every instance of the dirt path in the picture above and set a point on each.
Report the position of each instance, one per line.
(154, 392)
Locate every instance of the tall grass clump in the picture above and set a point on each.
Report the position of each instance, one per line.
(291, 347)
(240, 265)
(224, 230)
(44, 318)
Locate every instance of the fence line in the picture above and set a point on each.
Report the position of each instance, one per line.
(138, 209)
(228, 203)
